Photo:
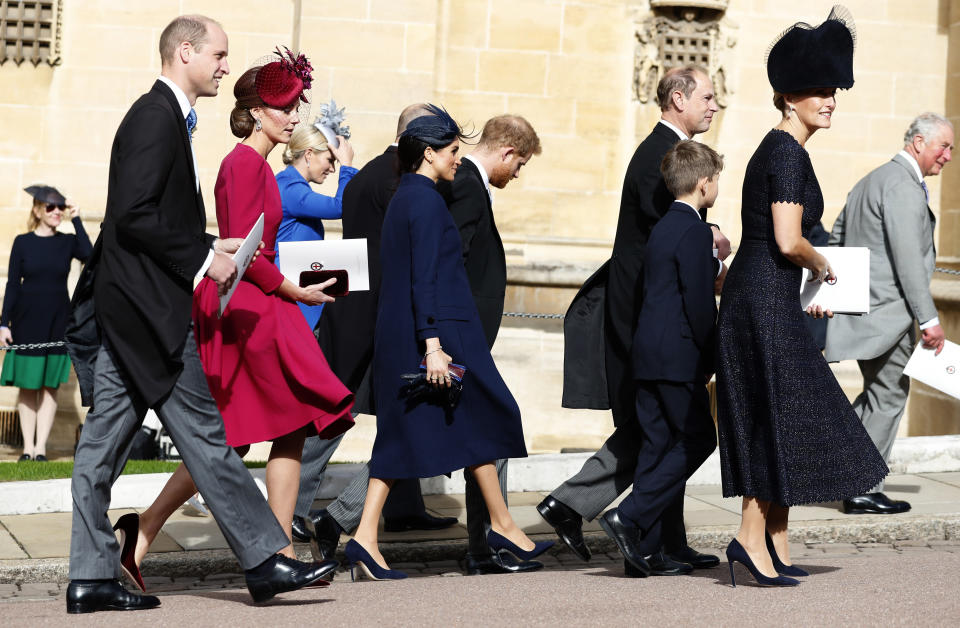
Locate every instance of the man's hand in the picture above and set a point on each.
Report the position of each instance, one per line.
(933, 338)
(231, 245)
(223, 271)
(721, 243)
(718, 282)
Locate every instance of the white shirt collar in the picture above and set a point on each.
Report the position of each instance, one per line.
(692, 208)
(912, 162)
(483, 175)
(182, 99)
(683, 136)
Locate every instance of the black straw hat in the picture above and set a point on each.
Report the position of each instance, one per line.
(46, 194)
(806, 57)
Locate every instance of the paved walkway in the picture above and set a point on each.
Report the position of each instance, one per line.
(34, 548)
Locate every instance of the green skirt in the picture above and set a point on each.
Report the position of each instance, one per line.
(35, 371)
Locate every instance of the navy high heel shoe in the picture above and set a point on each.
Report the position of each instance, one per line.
(736, 554)
(499, 542)
(782, 569)
(359, 557)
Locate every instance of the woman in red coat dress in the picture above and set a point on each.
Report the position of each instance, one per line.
(264, 367)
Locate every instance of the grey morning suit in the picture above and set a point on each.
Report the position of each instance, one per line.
(887, 212)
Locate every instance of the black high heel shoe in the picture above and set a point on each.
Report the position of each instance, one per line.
(736, 554)
(499, 542)
(129, 526)
(359, 557)
(782, 569)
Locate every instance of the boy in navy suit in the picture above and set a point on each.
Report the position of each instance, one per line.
(672, 360)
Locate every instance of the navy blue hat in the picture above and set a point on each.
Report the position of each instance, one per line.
(806, 57)
(46, 194)
(436, 128)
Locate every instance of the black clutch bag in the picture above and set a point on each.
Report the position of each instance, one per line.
(418, 390)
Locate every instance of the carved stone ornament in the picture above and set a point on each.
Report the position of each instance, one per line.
(30, 31)
(678, 32)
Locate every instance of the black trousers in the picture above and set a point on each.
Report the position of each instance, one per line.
(677, 436)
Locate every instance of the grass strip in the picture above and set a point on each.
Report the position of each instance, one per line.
(32, 470)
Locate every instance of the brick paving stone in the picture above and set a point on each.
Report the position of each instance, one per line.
(911, 543)
(8, 591)
(914, 548)
(444, 563)
(406, 566)
(156, 580)
(223, 577)
(873, 545)
(39, 589)
(836, 548)
(944, 543)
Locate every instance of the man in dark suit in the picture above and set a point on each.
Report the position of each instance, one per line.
(345, 334)
(604, 315)
(506, 144)
(152, 246)
(672, 361)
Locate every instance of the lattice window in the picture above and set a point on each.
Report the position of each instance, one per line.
(680, 49)
(30, 31)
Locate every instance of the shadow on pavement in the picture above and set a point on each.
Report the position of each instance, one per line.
(243, 597)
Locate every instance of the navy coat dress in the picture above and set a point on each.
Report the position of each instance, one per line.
(425, 293)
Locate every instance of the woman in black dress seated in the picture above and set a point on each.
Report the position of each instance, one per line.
(426, 312)
(788, 435)
(35, 310)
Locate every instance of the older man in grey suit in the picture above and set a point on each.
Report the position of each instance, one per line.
(888, 212)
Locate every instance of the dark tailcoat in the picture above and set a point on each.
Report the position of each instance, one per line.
(600, 323)
(675, 329)
(425, 294)
(483, 255)
(345, 331)
(151, 245)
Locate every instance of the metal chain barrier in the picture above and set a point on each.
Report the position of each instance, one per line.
(948, 271)
(35, 345)
(529, 315)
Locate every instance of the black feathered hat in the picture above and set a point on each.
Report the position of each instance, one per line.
(806, 57)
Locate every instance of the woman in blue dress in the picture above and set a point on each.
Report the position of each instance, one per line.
(35, 310)
(310, 156)
(427, 313)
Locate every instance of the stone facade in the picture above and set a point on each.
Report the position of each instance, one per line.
(567, 65)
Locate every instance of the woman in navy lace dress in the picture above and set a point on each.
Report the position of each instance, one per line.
(788, 435)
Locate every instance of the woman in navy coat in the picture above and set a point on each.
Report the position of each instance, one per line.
(426, 312)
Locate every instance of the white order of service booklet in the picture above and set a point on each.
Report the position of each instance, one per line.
(849, 293)
(937, 371)
(349, 255)
(242, 258)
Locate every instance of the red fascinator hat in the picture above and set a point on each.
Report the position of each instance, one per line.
(282, 82)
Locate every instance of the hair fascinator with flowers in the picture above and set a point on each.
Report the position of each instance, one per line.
(330, 123)
(282, 82)
(436, 128)
(811, 57)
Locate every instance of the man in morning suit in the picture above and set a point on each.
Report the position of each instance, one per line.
(345, 334)
(506, 144)
(151, 247)
(888, 212)
(673, 353)
(600, 324)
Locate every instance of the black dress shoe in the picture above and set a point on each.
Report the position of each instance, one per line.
(299, 530)
(692, 557)
(499, 563)
(423, 521)
(279, 574)
(324, 532)
(40, 458)
(660, 565)
(567, 523)
(89, 596)
(626, 536)
(23, 457)
(874, 504)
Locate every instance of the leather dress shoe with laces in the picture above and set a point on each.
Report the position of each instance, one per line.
(324, 534)
(874, 504)
(422, 521)
(299, 530)
(567, 523)
(626, 536)
(279, 574)
(660, 565)
(697, 560)
(499, 563)
(89, 596)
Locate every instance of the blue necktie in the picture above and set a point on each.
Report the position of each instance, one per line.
(926, 192)
(191, 123)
